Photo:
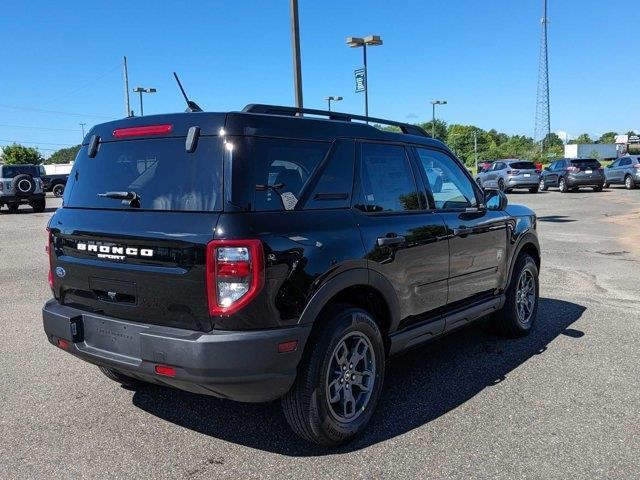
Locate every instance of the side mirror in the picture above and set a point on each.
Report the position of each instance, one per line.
(495, 200)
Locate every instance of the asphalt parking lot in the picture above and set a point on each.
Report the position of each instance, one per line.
(561, 403)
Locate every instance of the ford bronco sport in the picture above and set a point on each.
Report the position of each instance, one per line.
(20, 184)
(262, 254)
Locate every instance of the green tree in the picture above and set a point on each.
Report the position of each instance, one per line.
(15, 154)
(584, 138)
(440, 128)
(64, 155)
(608, 137)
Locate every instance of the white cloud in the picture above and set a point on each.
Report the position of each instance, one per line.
(564, 136)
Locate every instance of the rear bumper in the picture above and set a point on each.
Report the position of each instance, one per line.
(243, 366)
(518, 182)
(586, 182)
(13, 198)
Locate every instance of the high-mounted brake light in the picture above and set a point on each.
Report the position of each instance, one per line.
(142, 131)
(235, 274)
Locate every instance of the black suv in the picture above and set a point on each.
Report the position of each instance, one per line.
(262, 254)
(573, 173)
(20, 184)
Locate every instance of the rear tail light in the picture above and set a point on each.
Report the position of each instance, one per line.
(63, 344)
(165, 370)
(235, 274)
(573, 169)
(47, 249)
(514, 172)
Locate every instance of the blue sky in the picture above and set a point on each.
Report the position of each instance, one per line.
(482, 57)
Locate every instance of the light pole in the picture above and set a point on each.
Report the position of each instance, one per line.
(355, 42)
(295, 47)
(142, 90)
(433, 115)
(330, 99)
(82, 125)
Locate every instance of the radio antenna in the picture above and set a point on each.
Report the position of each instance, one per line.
(191, 106)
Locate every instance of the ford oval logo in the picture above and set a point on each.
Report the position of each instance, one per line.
(60, 272)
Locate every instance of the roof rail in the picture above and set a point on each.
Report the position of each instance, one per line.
(406, 128)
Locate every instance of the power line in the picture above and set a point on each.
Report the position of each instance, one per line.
(38, 128)
(86, 85)
(36, 143)
(57, 112)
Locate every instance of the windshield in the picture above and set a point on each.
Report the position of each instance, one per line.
(160, 171)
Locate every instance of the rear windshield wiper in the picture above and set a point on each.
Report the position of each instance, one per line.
(128, 198)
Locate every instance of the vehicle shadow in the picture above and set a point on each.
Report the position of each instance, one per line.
(439, 376)
(556, 219)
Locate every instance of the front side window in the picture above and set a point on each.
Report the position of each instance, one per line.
(387, 183)
(451, 188)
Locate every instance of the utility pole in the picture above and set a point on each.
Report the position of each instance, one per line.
(82, 125)
(127, 106)
(295, 46)
(542, 128)
(475, 146)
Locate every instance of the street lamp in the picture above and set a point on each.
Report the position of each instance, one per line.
(433, 117)
(330, 99)
(142, 90)
(355, 42)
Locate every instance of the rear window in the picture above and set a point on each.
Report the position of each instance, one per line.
(523, 165)
(159, 171)
(585, 163)
(14, 170)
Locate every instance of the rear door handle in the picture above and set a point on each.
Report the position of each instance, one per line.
(390, 240)
(459, 232)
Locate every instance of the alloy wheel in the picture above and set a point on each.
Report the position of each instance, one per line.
(350, 377)
(525, 296)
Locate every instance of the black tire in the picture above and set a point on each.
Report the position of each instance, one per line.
(606, 185)
(58, 190)
(542, 186)
(629, 184)
(597, 189)
(124, 380)
(23, 185)
(562, 185)
(501, 185)
(534, 189)
(307, 406)
(13, 207)
(39, 205)
(508, 320)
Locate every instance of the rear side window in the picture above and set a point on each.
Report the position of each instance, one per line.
(159, 171)
(269, 173)
(625, 161)
(585, 163)
(333, 188)
(523, 165)
(387, 183)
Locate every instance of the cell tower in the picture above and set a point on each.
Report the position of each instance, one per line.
(543, 120)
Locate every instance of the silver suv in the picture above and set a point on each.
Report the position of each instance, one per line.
(624, 171)
(507, 175)
(21, 184)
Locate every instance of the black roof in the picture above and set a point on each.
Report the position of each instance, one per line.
(272, 120)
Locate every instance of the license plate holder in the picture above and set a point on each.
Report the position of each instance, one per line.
(588, 172)
(527, 175)
(112, 336)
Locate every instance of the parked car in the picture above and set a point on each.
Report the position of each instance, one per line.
(571, 174)
(55, 177)
(21, 184)
(507, 175)
(624, 171)
(328, 250)
(483, 165)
